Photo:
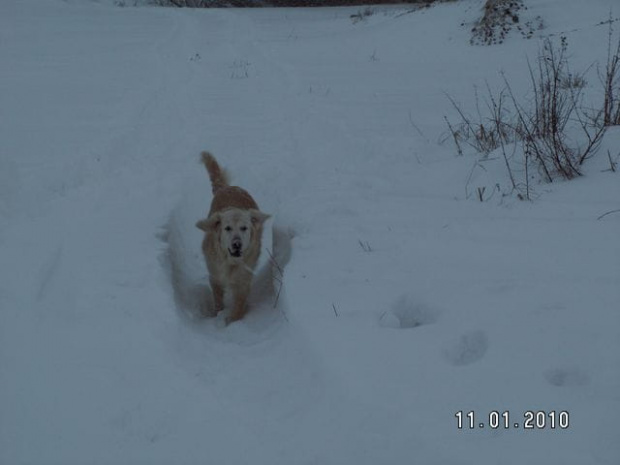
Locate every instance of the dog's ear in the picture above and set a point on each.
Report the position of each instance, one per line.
(203, 224)
(209, 224)
(258, 217)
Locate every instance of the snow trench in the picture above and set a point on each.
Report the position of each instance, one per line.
(186, 269)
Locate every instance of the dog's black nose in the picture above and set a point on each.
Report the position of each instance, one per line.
(236, 244)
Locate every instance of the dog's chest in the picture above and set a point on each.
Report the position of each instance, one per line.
(230, 272)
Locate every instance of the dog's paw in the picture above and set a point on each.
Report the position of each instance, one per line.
(231, 319)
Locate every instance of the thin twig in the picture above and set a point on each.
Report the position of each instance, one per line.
(279, 279)
(275, 262)
(335, 311)
(608, 213)
(414, 126)
(365, 246)
(612, 165)
(454, 136)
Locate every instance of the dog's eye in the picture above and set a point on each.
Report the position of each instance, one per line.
(244, 228)
(228, 228)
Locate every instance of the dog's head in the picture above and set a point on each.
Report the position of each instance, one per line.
(235, 229)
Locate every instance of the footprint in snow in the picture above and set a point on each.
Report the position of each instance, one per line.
(467, 349)
(406, 312)
(566, 376)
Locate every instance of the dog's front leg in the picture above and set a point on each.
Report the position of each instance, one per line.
(218, 295)
(240, 293)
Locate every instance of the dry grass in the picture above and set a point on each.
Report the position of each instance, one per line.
(555, 130)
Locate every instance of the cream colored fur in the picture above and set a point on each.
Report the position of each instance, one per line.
(232, 241)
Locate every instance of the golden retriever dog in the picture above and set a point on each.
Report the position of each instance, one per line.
(232, 242)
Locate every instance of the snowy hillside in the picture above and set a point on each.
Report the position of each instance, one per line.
(398, 299)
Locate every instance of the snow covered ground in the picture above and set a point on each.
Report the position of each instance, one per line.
(404, 300)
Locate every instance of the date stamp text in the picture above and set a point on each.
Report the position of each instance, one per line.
(529, 420)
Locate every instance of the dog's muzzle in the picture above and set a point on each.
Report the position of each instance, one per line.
(235, 249)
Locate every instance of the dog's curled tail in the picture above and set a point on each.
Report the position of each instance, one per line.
(218, 176)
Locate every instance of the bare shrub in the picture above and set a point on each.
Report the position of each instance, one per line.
(557, 111)
(611, 81)
(543, 127)
(555, 130)
(483, 133)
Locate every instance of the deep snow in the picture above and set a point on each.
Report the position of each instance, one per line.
(404, 299)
